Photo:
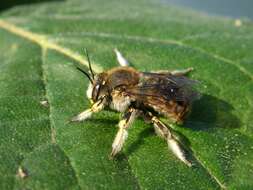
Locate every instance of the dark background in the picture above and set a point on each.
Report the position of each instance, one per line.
(5, 4)
(230, 8)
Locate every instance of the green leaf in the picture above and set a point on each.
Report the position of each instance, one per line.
(41, 43)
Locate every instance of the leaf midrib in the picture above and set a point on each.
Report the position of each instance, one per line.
(46, 44)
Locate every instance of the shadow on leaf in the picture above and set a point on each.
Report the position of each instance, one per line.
(210, 112)
(140, 140)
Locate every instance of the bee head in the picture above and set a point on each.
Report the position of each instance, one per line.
(98, 88)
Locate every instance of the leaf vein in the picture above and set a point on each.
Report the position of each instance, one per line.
(51, 120)
(44, 43)
(222, 186)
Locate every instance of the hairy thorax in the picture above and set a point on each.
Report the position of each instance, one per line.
(119, 102)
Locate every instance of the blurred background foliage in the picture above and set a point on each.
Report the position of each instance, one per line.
(231, 8)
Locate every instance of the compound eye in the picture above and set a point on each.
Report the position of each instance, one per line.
(97, 87)
(95, 92)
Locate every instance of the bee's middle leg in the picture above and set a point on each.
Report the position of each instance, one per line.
(167, 133)
(122, 133)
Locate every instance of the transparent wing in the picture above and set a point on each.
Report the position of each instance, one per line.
(165, 86)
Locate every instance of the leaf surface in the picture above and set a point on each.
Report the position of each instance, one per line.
(41, 43)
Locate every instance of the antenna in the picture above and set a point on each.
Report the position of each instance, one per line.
(85, 74)
(91, 71)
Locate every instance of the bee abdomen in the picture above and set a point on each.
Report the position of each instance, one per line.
(181, 112)
(172, 110)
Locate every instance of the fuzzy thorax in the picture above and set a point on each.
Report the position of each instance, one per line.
(119, 101)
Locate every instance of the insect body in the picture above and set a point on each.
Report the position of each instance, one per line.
(142, 94)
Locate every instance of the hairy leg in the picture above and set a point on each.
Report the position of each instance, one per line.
(122, 133)
(96, 107)
(167, 133)
(121, 60)
(180, 72)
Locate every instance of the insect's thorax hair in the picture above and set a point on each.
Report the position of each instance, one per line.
(122, 77)
(117, 79)
(114, 79)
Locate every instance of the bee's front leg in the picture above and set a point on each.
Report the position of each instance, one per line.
(124, 124)
(96, 107)
(167, 133)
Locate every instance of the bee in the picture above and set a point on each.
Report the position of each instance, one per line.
(148, 95)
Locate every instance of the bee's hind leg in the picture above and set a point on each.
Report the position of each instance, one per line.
(167, 133)
(122, 133)
(182, 72)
